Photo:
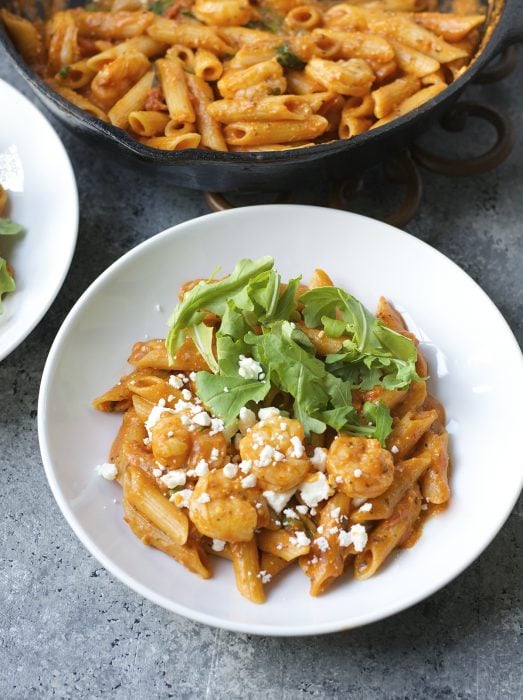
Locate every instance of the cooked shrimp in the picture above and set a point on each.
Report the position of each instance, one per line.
(359, 467)
(275, 448)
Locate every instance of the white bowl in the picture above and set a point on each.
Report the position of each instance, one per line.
(477, 371)
(37, 174)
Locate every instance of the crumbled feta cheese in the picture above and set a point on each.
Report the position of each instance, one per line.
(357, 473)
(230, 470)
(249, 482)
(202, 468)
(266, 456)
(158, 307)
(175, 381)
(278, 456)
(202, 419)
(258, 505)
(264, 576)
(302, 509)
(107, 470)
(424, 506)
(359, 537)
(247, 419)
(335, 513)
(192, 376)
(225, 389)
(245, 466)
(248, 368)
(344, 538)
(315, 490)
(357, 502)
(157, 472)
(279, 546)
(333, 530)
(174, 478)
(339, 480)
(320, 529)
(298, 448)
(319, 458)
(290, 513)
(300, 539)
(147, 441)
(171, 398)
(269, 412)
(278, 501)
(215, 454)
(217, 426)
(204, 498)
(186, 394)
(154, 415)
(218, 545)
(322, 544)
(394, 449)
(182, 498)
(170, 434)
(366, 508)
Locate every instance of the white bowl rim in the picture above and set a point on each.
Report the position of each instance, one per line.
(400, 604)
(60, 279)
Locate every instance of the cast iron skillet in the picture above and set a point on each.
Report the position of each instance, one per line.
(276, 170)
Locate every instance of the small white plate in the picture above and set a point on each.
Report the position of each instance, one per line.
(477, 372)
(37, 174)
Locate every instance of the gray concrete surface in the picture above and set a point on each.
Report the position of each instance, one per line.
(68, 629)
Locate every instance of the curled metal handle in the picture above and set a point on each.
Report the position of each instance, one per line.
(499, 67)
(455, 120)
(402, 170)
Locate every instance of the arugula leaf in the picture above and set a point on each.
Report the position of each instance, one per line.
(211, 297)
(380, 354)
(379, 415)
(287, 58)
(7, 283)
(9, 228)
(332, 327)
(202, 336)
(227, 404)
(286, 305)
(304, 377)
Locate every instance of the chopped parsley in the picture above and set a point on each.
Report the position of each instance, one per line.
(63, 71)
(287, 58)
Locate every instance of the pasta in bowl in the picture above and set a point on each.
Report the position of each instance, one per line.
(240, 76)
(278, 423)
(470, 376)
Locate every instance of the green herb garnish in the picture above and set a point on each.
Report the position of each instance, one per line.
(9, 228)
(63, 71)
(259, 320)
(287, 58)
(159, 7)
(7, 283)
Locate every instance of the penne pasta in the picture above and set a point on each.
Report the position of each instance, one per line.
(259, 491)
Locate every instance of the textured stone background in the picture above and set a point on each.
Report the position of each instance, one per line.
(69, 630)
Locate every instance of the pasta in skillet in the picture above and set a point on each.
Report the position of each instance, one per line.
(278, 423)
(245, 76)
